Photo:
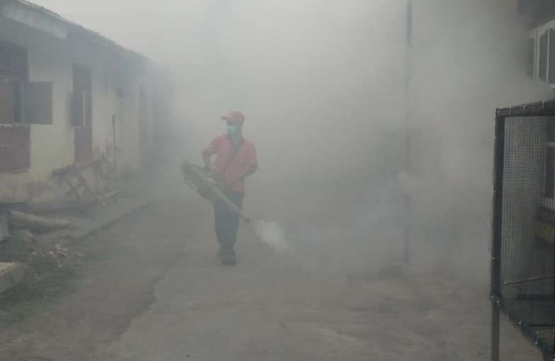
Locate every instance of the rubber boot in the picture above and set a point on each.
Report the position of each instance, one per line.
(228, 257)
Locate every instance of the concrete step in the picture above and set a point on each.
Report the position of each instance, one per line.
(106, 217)
(10, 275)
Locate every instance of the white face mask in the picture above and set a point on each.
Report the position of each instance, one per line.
(232, 130)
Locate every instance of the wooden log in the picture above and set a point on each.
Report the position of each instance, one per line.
(39, 223)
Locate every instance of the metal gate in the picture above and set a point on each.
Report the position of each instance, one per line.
(523, 233)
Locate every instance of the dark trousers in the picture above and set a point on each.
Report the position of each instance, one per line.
(227, 221)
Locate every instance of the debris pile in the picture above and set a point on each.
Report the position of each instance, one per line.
(34, 230)
(21, 232)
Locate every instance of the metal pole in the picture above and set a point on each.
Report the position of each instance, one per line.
(499, 154)
(408, 79)
(114, 140)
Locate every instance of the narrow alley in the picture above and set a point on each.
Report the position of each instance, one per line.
(151, 288)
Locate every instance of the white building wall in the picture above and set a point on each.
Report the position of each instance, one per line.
(52, 145)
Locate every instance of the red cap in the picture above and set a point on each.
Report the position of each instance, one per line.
(236, 116)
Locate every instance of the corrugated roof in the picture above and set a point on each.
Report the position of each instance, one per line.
(76, 29)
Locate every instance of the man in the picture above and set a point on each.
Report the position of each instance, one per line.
(235, 161)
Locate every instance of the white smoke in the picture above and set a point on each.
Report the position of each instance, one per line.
(272, 234)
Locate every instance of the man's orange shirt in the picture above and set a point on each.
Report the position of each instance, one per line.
(244, 159)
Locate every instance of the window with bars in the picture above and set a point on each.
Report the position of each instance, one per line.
(21, 103)
(541, 58)
(13, 74)
(542, 67)
(13, 61)
(14, 141)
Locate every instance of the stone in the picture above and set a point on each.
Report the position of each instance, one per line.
(10, 275)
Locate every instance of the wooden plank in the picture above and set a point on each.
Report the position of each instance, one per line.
(38, 223)
(59, 172)
(73, 189)
(83, 144)
(83, 183)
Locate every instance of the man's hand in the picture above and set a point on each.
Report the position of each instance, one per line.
(249, 172)
(220, 178)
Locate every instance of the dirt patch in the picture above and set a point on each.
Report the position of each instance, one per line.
(67, 310)
(48, 276)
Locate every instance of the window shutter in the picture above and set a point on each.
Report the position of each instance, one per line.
(551, 55)
(6, 102)
(38, 103)
(542, 73)
(530, 57)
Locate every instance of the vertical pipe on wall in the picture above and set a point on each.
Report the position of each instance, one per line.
(408, 79)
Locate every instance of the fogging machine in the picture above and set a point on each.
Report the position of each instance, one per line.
(208, 186)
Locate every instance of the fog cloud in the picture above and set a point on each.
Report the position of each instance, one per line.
(322, 85)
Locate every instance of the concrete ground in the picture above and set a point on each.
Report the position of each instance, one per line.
(151, 289)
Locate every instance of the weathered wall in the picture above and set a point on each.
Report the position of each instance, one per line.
(52, 146)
